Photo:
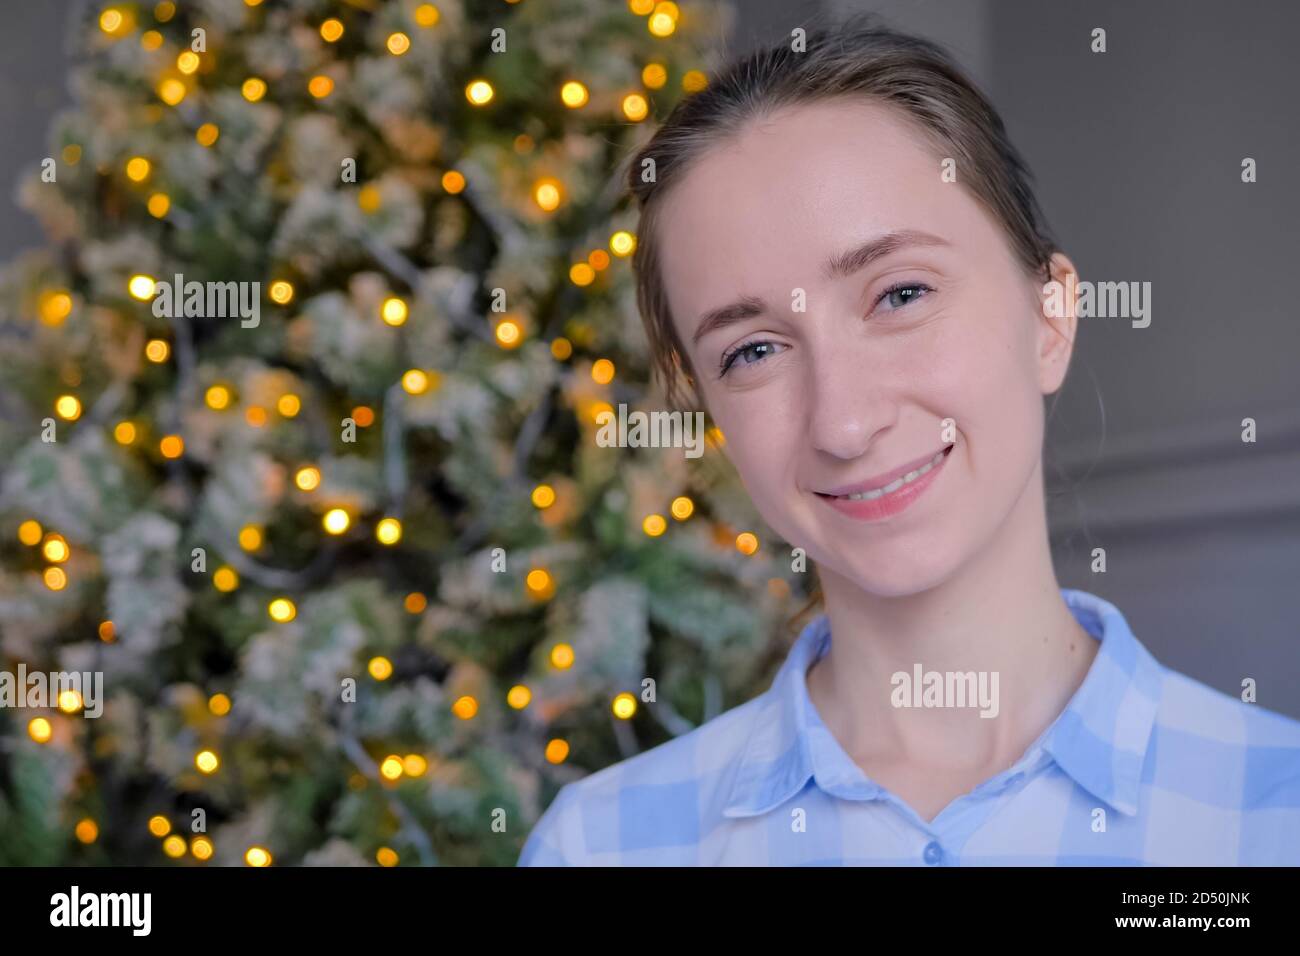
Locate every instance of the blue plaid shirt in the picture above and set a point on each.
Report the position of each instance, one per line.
(1145, 766)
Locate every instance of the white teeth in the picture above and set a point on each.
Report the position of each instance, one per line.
(896, 483)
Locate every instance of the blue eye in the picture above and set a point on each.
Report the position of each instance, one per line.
(904, 293)
(761, 348)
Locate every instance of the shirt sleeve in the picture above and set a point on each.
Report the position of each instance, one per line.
(549, 844)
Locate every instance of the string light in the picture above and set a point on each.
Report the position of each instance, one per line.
(336, 521)
(253, 89)
(622, 243)
(320, 86)
(288, 405)
(282, 610)
(465, 707)
(159, 825)
(453, 182)
(307, 478)
(602, 371)
(29, 532)
(257, 856)
(557, 750)
(171, 91)
(654, 76)
(623, 706)
(157, 350)
(201, 848)
(141, 287)
(574, 95)
(207, 134)
(39, 729)
(187, 62)
(55, 548)
(548, 194)
(562, 656)
(746, 542)
(519, 696)
(479, 92)
(389, 531)
(67, 407)
(172, 446)
(539, 583)
(391, 767)
(398, 43)
(281, 292)
(393, 311)
(124, 433)
(386, 856)
(174, 847)
(426, 15)
(219, 705)
(508, 333)
(106, 632)
(331, 30)
(250, 537)
(654, 525)
(380, 668)
(87, 830)
(635, 107)
(682, 508)
(55, 579)
(217, 397)
(543, 496)
(206, 761)
(158, 205)
(55, 306)
(225, 579)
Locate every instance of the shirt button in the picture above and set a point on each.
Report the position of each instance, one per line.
(933, 853)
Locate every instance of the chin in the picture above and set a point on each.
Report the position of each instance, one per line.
(900, 578)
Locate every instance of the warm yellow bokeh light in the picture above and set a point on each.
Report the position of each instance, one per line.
(557, 750)
(219, 705)
(543, 496)
(336, 521)
(519, 696)
(581, 273)
(253, 89)
(282, 610)
(206, 761)
(107, 633)
(548, 193)
(70, 702)
(124, 433)
(624, 706)
(250, 537)
(307, 478)
(55, 306)
(111, 20)
(682, 508)
(172, 446)
(391, 767)
(389, 531)
(465, 707)
(561, 347)
(415, 602)
(622, 243)
(661, 25)
(157, 350)
(398, 43)
(171, 91)
(217, 397)
(414, 765)
(426, 15)
(159, 825)
(479, 92)
(87, 830)
(281, 292)
(29, 532)
(386, 856)
(574, 95)
(694, 80)
(158, 205)
(174, 847)
(415, 382)
(539, 582)
(654, 525)
(380, 668)
(508, 333)
(39, 729)
(141, 287)
(288, 405)
(187, 62)
(55, 579)
(746, 542)
(453, 182)
(393, 311)
(562, 656)
(654, 76)
(67, 407)
(257, 856)
(331, 30)
(225, 579)
(202, 848)
(320, 86)
(602, 371)
(55, 548)
(635, 107)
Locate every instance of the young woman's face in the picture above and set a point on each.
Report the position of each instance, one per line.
(830, 377)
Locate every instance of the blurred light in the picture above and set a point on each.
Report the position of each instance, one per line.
(453, 182)
(55, 579)
(282, 610)
(55, 306)
(202, 848)
(288, 405)
(39, 729)
(415, 602)
(141, 287)
(479, 92)
(543, 496)
(87, 830)
(654, 525)
(557, 750)
(171, 91)
(654, 76)
(508, 333)
(206, 761)
(307, 478)
(219, 704)
(519, 696)
(187, 62)
(172, 446)
(386, 856)
(622, 243)
(602, 371)
(174, 847)
(624, 706)
(253, 89)
(159, 825)
(426, 15)
(217, 397)
(320, 86)
(415, 382)
(331, 30)
(29, 532)
(547, 193)
(70, 702)
(225, 579)
(573, 94)
(380, 668)
(582, 274)
(391, 767)
(561, 348)
(746, 542)
(682, 508)
(539, 583)
(250, 537)
(158, 205)
(281, 292)
(635, 107)
(393, 311)
(562, 656)
(67, 407)
(124, 433)
(336, 521)
(414, 765)
(257, 856)
(389, 531)
(157, 350)
(398, 43)
(465, 707)
(106, 632)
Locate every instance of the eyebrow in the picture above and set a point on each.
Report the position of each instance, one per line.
(836, 267)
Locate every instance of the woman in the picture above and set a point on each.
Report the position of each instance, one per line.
(841, 254)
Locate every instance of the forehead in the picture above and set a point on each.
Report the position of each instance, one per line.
(765, 208)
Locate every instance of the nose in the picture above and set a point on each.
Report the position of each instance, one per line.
(849, 405)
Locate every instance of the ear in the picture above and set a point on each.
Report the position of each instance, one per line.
(1059, 323)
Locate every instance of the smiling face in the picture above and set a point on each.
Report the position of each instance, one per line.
(913, 310)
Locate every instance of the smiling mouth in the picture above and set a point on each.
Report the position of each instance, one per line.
(900, 482)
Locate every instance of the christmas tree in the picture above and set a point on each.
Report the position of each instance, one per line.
(300, 439)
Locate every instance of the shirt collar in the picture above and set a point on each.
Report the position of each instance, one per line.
(1100, 739)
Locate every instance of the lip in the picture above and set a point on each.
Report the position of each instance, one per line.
(892, 503)
(885, 477)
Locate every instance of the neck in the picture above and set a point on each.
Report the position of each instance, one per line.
(1000, 612)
